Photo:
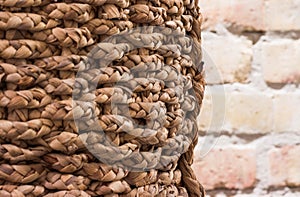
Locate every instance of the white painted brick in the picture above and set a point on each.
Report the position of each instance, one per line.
(280, 60)
(212, 114)
(228, 58)
(284, 166)
(282, 15)
(245, 14)
(250, 113)
(287, 112)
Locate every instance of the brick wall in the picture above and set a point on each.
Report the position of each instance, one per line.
(250, 121)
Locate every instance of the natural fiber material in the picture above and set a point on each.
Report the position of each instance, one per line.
(43, 47)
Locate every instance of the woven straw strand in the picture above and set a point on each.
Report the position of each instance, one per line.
(33, 3)
(25, 49)
(146, 100)
(21, 173)
(25, 21)
(15, 154)
(21, 191)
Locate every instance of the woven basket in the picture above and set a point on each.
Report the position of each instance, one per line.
(43, 47)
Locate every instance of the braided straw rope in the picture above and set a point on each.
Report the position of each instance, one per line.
(25, 21)
(80, 13)
(21, 173)
(48, 140)
(21, 191)
(25, 49)
(69, 37)
(33, 3)
(15, 154)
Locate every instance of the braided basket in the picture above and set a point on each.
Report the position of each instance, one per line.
(48, 143)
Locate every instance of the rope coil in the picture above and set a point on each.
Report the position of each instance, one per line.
(147, 94)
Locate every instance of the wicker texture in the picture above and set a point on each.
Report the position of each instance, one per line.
(43, 45)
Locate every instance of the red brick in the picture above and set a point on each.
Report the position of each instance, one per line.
(231, 168)
(285, 166)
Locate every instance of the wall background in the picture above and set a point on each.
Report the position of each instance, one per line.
(250, 120)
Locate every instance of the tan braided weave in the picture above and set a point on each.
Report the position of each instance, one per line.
(44, 44)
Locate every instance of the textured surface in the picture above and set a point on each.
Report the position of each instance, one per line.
(259, 104)
(44, 45)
